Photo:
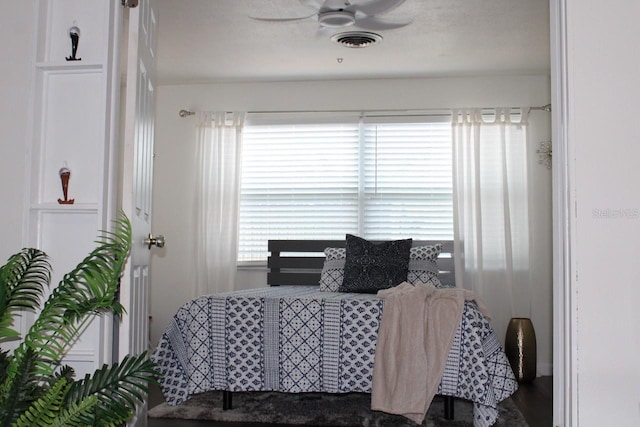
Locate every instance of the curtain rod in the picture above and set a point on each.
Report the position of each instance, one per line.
(187, 113)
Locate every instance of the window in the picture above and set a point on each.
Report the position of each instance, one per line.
(320, 178)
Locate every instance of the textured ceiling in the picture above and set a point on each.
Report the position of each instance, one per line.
(217, 41)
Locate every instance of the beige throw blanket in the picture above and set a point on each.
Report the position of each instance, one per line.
(418, 326)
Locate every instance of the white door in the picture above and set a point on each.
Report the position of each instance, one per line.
(137, 180)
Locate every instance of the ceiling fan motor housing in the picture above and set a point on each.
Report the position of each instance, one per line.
(336, 18)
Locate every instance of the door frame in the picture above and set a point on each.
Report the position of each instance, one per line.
(564, 286)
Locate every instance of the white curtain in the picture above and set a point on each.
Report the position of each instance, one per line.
(219, 150)
(491, 205)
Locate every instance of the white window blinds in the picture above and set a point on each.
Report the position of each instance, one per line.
(378, 177)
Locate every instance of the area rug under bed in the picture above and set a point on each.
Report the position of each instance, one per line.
(320, 409)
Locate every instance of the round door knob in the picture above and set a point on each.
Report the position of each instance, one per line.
(157, 241)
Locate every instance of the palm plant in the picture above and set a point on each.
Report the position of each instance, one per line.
(35, 388)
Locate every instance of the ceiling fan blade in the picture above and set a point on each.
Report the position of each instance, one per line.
(301, 18)
(375, 7)
(378, 24)
(314, 4)
(324, 32)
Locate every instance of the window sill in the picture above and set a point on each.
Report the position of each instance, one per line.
(252, 266)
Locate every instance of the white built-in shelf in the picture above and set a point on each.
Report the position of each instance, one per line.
(56, 207)
(69, 65)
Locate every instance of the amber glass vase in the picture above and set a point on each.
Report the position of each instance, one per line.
(520, 347)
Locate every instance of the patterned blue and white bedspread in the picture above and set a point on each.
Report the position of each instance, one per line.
(298, 339)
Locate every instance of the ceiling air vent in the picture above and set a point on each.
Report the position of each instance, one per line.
(356, 38)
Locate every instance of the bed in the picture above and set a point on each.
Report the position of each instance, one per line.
(294, 337)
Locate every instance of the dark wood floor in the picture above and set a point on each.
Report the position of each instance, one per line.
(535, 401)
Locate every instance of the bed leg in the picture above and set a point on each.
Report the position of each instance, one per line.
(448, 407)
(226, 400)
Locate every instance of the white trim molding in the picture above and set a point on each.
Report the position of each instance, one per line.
(564, 289)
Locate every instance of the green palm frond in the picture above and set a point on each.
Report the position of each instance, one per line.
(74, 414)
(5, 361)
(23, 280)
(44, 410)
(118, 387)
(90, 289)
(65, 371)
(19, 388)
(34, 388)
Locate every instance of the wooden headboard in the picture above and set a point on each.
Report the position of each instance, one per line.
(299, 262)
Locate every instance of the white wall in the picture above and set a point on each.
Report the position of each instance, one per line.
(175, 164)
(604, 147)
(17, 31)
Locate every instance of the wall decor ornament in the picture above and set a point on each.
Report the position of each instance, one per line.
(545, 153)
(65, 175)
(74, 34)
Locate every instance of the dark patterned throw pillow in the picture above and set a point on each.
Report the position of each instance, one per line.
(370, 267)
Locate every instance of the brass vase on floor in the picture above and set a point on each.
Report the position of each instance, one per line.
(520, 347)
